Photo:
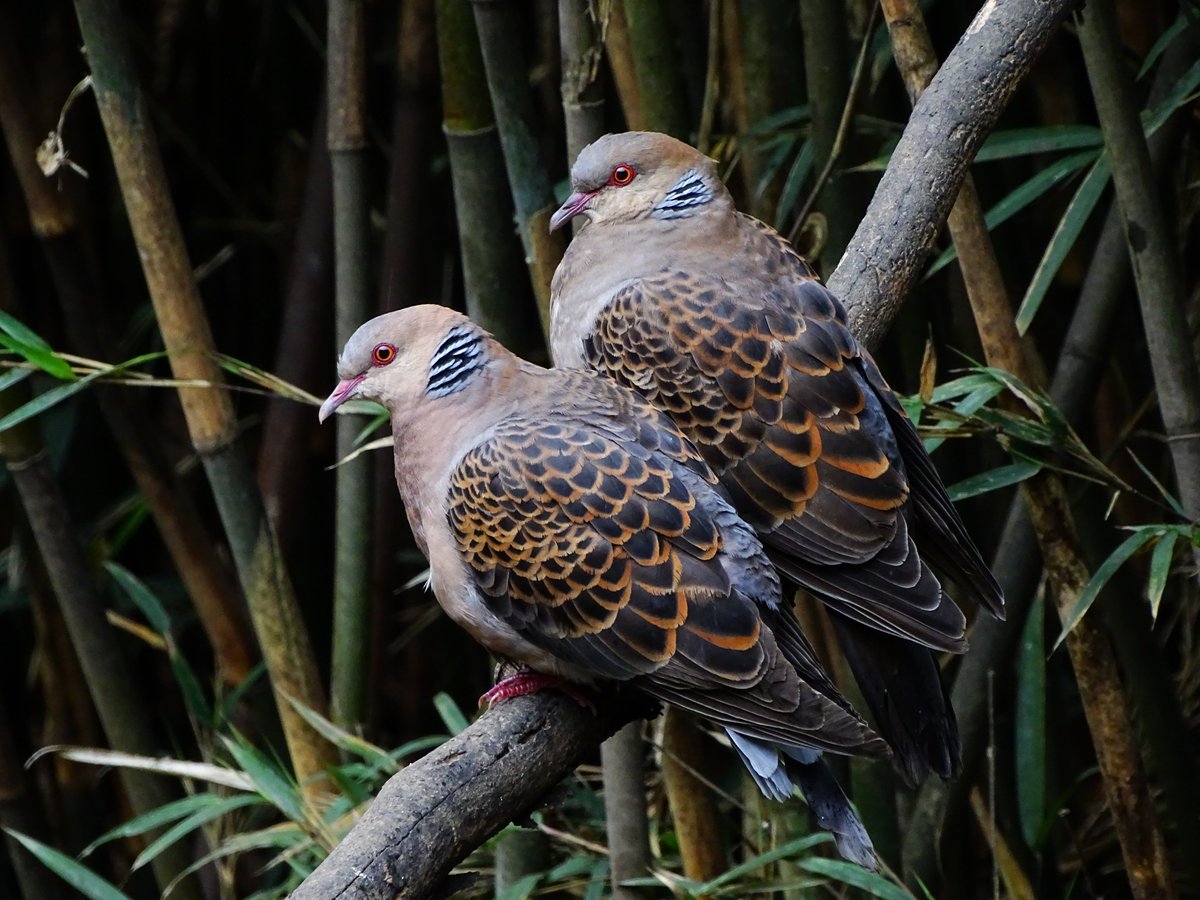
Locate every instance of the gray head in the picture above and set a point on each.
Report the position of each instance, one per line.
(639, 175)
(410, 355)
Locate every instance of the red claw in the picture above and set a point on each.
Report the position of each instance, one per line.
(530, 683)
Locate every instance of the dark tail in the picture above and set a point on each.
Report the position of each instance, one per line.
(778, 770)
(903, 688)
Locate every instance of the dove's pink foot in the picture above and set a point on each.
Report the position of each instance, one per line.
(530, 683)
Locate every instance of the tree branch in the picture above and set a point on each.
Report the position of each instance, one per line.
(431, 815)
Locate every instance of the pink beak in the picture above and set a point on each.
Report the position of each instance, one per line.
(340, 395)
(572, 206)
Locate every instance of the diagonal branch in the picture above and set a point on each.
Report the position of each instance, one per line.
(440, 808)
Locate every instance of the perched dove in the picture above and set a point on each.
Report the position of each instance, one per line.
(712, 316)
(572, 529)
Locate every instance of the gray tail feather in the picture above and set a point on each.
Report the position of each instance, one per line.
(778, 769)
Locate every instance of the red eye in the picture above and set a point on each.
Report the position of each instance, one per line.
(382, 354)
(622, 175)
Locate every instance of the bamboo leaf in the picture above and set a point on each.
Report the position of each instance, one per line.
(73, 872)
(142, 596)
(784, 851)
(21, 339)
(56, 395)
(994, 479)
(197, 819)
(1164, 40)
(451, 715)
(855, 876)
(797, 175)
(268, 778)
(1160, 568)
(169, 812)
(178, 768)
(1103, 575)
(1017, 200)
(1030, 141)
(1030, 732)
(1179, 95)
(1069, 227)
(344, 740)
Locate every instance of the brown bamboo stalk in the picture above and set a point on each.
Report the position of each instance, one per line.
(113, 690)
(1017, 563)
(1156, 266)
(302, 355)
(347, 137)
(693, 807)
(1096, 673)
(533, 194)
(81, 295)
(619, 51)
(208, 412)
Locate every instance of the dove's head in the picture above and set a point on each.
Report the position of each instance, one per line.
(641, 175)
(404, 357)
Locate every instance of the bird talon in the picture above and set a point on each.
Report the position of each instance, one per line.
(531, 683)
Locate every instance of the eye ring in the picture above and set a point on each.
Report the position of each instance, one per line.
(622, 175)
(383, 354)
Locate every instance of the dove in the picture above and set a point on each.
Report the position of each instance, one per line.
(574, 532)
(716, 320)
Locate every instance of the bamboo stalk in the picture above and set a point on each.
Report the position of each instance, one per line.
(81, 294)
(582, 99)
(1096, 673)
(497, 21)
(301, 355)
(347, 137)
(1079, 367)
(656, 62)
(619, 50)
(697, 824)
(1156, 266)
(209, 412)
(827, 75)
(109, 681)
(495, 287)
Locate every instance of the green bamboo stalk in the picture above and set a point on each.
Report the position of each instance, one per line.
(751, 33)
(81, 294)
(656, 62)
(347, 139)
(827, 74)
(495, 286)
(498, 21)
(1157, 269)
(1092, 658)
(209, 412)
(114, 692)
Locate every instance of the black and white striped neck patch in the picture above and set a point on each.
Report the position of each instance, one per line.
(689, 192)
(455, 362)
